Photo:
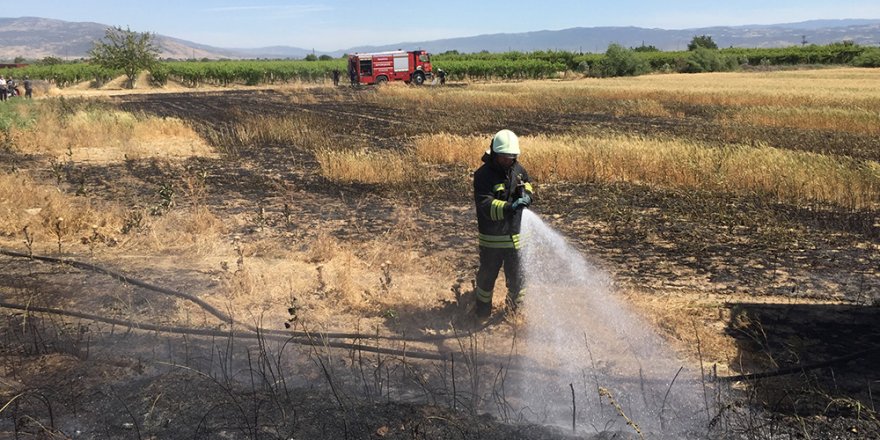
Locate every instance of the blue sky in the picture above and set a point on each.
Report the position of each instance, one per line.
(326, 25)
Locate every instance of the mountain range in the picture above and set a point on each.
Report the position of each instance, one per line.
(36, 38)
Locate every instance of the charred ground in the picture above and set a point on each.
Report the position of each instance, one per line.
(650, 239)
(724, 242)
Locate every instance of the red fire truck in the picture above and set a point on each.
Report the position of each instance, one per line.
(413, 67)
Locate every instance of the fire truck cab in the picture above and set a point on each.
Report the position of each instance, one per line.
(412, 67)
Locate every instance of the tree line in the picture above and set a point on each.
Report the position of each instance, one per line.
(123, 51)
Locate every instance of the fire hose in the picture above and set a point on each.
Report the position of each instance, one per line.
(325, 339)
(253, 332)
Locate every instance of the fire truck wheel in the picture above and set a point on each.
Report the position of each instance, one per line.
(381, 80)
(418, 78)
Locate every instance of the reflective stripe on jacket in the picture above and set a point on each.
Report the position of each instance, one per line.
(494, 191)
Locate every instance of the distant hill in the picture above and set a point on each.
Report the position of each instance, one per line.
(35, 38)
(597, 39)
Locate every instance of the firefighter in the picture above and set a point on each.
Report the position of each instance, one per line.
(501, 190)
(28, 88)
(352, 72)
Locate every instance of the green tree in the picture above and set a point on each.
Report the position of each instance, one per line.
(704, 41)
(126, 50)
(311, 57)
(50, 61)
(868, 58)
(620, 61)
(648, 48)
(708, 60)
(325, 57)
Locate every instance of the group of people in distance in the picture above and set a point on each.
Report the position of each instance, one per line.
(9, 88)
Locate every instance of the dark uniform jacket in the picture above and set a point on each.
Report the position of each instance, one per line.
(494, 191)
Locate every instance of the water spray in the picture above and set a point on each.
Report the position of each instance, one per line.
(575, 326)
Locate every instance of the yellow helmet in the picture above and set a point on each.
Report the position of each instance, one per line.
(505, 142)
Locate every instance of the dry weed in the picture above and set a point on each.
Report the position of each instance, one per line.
(443, 148)
(675, 315)
(194, 230)
(850, 120)
(90, 131)
(785, 175)
(475, 98)
(25, 203)
(302, 131)
(641, 107)
(339, 274)
(362, 166)
(752, 97)
(347, 284)
(323, 247)
(334, 291)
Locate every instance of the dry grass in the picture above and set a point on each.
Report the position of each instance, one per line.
(25, 203)
(473, 99)
(302, 131)
(193, 231)
(682, 317)
(832, 99)
(332, 282)
(88, 225)
(829, 87)
(330, 273)
(76, 131)
(782, 99)
(362, 166)
(327, 278)
(785, 175)
(88, 131)
(444, 148)
(850, 119)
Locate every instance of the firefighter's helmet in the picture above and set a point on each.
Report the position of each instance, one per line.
(505, 142)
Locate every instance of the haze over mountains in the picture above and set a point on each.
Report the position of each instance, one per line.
(35, 38)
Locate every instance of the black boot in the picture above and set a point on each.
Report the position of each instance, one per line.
(483, 309)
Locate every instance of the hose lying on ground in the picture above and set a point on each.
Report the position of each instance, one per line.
(314, 339)
(324, 339)
(226, 318)
(801, 368)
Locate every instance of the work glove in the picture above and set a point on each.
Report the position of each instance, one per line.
(522, 202)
